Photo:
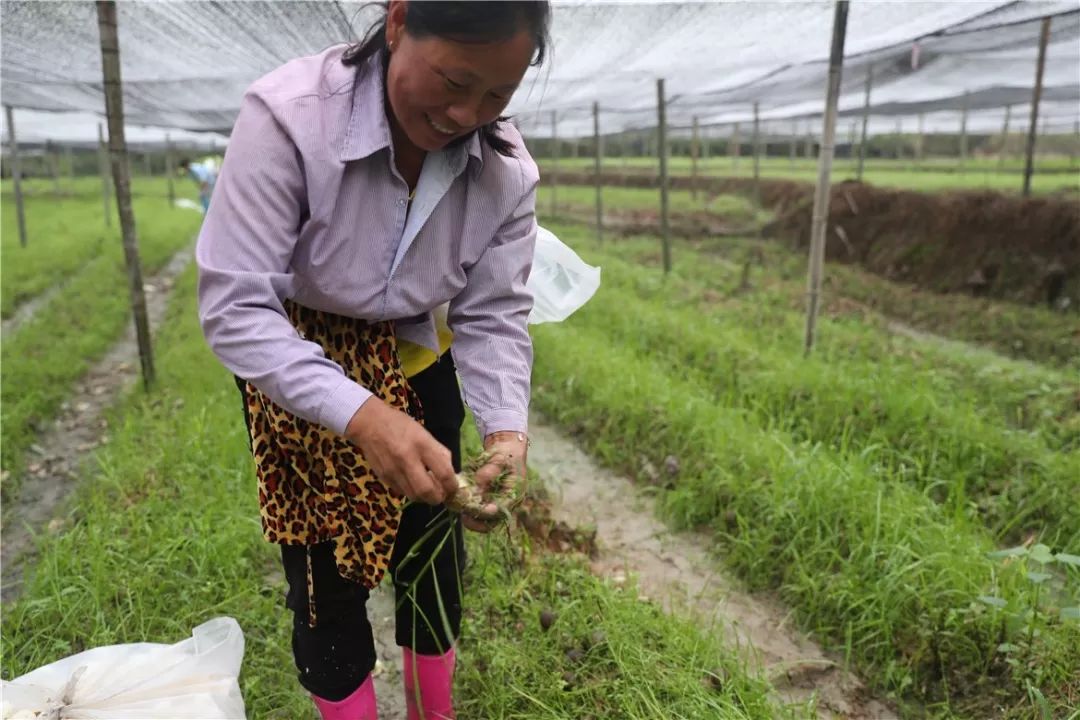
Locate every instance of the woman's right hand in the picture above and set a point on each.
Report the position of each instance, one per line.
(402, 453)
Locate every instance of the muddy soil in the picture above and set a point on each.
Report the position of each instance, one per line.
(677, 570)
(53, 464)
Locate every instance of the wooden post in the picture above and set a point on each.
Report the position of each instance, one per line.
(963, 132)
(899, 138)
(757, 159)
(1075, 143)
(103, 170)
(919, 146)
(16, 175)
(865, 122)
(735, 147)
(704, 146)
(695, 150)
(598, 166)
(54, 166)
(114, 111)
(818, 223)
(1036, 96)
(794, 142)
(170, 169)
(661, 141)
(1004, 137)
(554, 162)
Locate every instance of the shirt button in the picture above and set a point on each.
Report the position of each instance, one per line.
(402, 202)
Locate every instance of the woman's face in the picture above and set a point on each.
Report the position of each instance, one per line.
(441, 90)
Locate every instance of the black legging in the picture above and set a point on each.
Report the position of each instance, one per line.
(335, 657)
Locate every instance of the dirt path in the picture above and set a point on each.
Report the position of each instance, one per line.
(676, 570)
(53, 463)
(26, 310)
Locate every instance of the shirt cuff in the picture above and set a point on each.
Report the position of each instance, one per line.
(341, 404)
(501, 420)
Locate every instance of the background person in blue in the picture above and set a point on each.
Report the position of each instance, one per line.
(205, 174)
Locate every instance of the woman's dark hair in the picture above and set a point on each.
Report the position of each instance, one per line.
(467, 21)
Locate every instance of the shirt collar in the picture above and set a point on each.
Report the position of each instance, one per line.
(368, 130)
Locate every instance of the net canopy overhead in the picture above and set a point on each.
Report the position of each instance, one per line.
(186, 64)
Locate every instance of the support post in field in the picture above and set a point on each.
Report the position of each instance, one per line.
(16, 175)
(661, 142)
(735, 147)
(963, 132)
(103, 170)
(1036, 96)
(170, 169)
(757, 160)
(554, 162)
(70, 157)
(114, 111)
(1004, 137)
(793, 143)
(818, 223)
(920, 141)
(54, 166)
(899, 138)
(598, 161)
(695, 150)
(704, 146)
(865, 121)
(1075, 143)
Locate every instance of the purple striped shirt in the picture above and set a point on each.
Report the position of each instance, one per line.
(308, 206)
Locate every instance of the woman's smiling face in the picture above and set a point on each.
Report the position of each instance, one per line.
(441, 90)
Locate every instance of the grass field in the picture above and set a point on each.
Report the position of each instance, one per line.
(863, 485)
(911, 500)
(70, 249)
(1052, 174)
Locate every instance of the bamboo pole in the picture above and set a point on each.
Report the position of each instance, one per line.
(1036, 96)
(757, 158)
(54, 166)
(554, 162)
(963, 133)
(735, 143)
(1004, 137)
(865, 121)
(103, 170)
(662, 152)
(16, 175)
(818, 224)
(170, 169)
(793, 143)
(920, 146)
(598, 148)
(114, 110)
(695, 150)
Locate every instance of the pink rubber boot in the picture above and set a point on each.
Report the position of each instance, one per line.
(429, 681)
(358, 706)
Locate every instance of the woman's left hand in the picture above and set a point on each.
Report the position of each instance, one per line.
(506, 453)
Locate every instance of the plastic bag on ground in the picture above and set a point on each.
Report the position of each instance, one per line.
(561, 282)
(195, 679)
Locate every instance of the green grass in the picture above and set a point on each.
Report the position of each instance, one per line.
(45, 355)
(582, 199)
(164, 534)
(1032, 332)
(63, 234)
(865, 560)
(896, 415)
(1051, 174)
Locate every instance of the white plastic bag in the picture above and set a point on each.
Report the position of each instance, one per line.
(561, 282)
(193, 679)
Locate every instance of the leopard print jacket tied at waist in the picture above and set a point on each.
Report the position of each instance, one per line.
(314, 485)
